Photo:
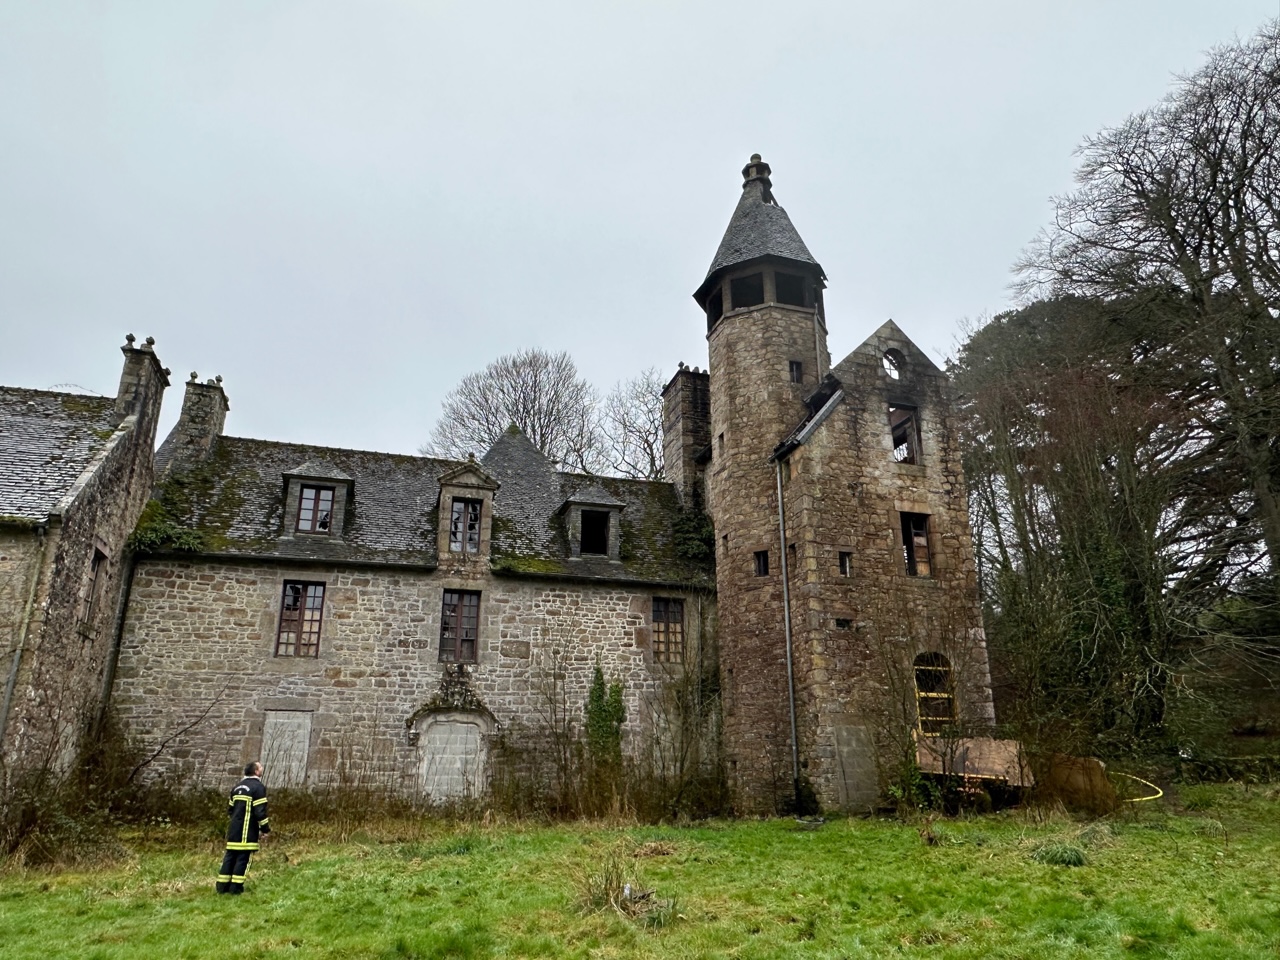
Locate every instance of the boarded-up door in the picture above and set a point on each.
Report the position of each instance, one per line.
(286, 738)
(453, 759)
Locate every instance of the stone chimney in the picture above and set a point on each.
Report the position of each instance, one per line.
(204, 412)
(686, 432)
(142, 382)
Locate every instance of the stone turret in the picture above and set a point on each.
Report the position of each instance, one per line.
(686, 432)
(768, 349)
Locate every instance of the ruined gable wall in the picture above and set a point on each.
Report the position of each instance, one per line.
(856, 682)
(60, 684)
(197, 661)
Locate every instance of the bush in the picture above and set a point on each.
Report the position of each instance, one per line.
(1060, 855)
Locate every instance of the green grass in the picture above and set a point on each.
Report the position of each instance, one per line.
(1156, 885)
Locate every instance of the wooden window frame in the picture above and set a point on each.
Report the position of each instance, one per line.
(846, 563)
(312, 509)
(935, 698)
(916, 554)
(306, 617)
(460, 626)
(97, 573)
(464, 525)
(904, 433)
(668, 634)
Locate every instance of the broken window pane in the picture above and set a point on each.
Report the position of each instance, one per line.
(301, 611)
(904, 427)
(894, 363)
(915, 543)
(459, 626)
(668, 630)
(464, 526)
(315, 509)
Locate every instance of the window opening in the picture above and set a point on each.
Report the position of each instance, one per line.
(894, 363)
(846, 563)
(459, 626)
(595, 532)
(797, 371)
(720, 447)
(464, 526)
(790, 289)
(935, 701)
(746, 291)
(915, 543)
(762, 563)
(315, 509)
(904, 427)
(791, 558)
(301, 610)
(715, 308)
(843, 623)
(668, 630)
(97, 573)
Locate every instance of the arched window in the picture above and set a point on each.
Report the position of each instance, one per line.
(935, 703)
(893, 362)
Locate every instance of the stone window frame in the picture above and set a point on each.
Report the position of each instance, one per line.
(667, 633)
(935, 694)
(760, 563)
(467, 481)
(454, 652)
(306, 642)
(315, 520)
(720, 301)
(845, 563)
(573, 524)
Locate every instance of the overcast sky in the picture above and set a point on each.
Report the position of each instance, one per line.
(343, 207)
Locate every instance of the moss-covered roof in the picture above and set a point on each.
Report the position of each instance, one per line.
(47, 440)
(233, 502)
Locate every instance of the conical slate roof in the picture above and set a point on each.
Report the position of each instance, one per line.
(758, 228)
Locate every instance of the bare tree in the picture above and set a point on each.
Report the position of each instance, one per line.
(540, 392)
(1179, 204)
(631, 424)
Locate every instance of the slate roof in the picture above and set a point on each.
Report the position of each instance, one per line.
(758, 228)
(47, 439)
(235, 499)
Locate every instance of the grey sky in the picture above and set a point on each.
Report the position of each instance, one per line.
(343, 207)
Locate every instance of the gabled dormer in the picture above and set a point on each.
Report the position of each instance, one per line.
(465, 514)
(316, 498)
(593, 523)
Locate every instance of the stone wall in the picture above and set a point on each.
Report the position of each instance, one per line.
(60, 684)
(198, 674)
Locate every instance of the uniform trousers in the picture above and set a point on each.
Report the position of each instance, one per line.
(235, 866)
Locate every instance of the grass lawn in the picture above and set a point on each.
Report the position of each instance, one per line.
(1161, 881)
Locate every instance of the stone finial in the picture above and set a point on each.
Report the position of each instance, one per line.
(682, 366)
(129, 338)
(756, 169)
(167, 371)
(150, 341)
(218, 379)
(194, 377)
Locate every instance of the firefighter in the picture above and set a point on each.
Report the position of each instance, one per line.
(249, 824)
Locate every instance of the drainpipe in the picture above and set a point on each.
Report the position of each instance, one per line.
(23, 629)
(113, 656)
(786, 619)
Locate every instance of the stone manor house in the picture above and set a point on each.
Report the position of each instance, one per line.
(344, 613)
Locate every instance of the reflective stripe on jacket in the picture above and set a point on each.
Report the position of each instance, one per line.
(248, 810)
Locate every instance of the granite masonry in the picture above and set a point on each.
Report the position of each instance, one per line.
(75, 473)
(411, 622)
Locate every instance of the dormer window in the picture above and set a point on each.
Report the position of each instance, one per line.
(595, 532)
(315, 510)
(464, 526)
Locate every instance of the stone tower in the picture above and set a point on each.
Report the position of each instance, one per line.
(849, 622)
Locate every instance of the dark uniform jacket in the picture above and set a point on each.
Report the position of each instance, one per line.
(248, 808)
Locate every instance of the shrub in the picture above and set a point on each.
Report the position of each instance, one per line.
(1060, 855)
